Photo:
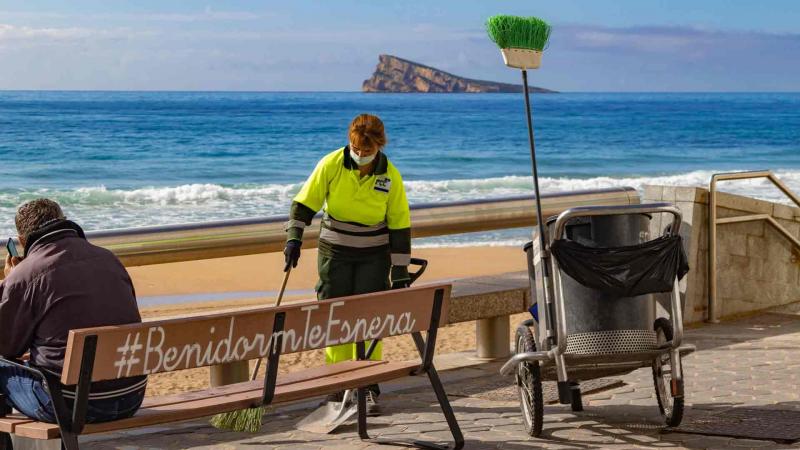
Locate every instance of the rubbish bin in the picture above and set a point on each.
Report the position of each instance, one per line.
(589, 310)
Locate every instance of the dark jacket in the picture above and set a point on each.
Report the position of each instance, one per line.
(64, 283)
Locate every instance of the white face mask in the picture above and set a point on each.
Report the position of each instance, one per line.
(362, 160)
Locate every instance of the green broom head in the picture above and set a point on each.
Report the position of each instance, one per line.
(518, 32)
(247, 420)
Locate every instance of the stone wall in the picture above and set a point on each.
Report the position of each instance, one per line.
(757, 267)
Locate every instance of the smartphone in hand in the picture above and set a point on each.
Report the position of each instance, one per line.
(12, 249)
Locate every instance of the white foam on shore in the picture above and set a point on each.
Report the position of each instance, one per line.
(98, 207)
(187, 194)
(476, 243)
(516, 185)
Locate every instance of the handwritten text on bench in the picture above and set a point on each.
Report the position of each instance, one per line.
(148, 347)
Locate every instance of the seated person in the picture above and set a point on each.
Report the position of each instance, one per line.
(63, 283)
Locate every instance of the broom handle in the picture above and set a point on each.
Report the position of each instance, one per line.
(277, 303)
(283, 287)
(542, 241)
(545, 251)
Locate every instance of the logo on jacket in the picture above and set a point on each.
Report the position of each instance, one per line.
(383, 184)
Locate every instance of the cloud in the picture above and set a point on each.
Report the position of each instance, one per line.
(23, 36)
(22, 33)
(356, 36)
(258, 55)
(655, 58)
(207, 15)
(664, 39)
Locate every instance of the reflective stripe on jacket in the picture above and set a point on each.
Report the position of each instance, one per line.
(352, 235)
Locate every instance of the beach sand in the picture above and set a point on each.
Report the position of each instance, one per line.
(254, 275)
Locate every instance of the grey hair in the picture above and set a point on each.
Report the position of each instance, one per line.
(35, 214)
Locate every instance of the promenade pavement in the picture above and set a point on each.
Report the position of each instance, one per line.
(750, 365)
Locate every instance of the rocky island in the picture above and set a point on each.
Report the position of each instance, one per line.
(395, 74)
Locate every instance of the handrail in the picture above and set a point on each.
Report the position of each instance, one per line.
(713, 313)
(186, 242)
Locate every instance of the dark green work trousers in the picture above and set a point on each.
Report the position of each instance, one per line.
(340, 277)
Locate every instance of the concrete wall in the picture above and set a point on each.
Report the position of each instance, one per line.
(757, 267)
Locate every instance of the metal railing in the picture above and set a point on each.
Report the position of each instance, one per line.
(713, 313)
(174, 243)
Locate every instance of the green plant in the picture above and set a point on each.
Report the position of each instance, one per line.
(518, 32)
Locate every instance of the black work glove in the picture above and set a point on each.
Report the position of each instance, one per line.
(292, 253)
(400, 277)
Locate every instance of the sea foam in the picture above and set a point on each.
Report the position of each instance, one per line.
(98, 207)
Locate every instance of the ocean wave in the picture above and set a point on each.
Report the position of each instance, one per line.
(188, 194)
(517, 185)
(101, 208)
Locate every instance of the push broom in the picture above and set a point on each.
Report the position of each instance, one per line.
(249, 419)
(522, 41)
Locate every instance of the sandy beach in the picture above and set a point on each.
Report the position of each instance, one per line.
(252, 280)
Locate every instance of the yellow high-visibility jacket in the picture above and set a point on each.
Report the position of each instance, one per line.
(362, 214)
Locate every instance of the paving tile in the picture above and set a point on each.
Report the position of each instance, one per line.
(750, 443)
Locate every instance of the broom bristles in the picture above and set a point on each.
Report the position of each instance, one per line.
(518, 32)
(247, 420)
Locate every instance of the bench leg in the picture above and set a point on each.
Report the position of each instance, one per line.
(441, 395)
(69, 441)
(5, 438)
(5, 442)
(361, 401)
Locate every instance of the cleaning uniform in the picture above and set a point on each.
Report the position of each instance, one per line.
(365, 238)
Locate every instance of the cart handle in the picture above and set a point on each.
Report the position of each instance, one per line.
(647, 208)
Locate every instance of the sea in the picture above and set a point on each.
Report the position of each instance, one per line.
(130, 159)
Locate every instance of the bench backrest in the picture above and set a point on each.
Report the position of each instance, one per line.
(186, 343)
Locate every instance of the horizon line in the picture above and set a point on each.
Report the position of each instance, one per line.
(244, 91)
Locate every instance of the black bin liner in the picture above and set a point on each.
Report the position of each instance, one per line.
(624, 271)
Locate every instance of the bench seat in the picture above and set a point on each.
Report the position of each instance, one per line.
(192, 405)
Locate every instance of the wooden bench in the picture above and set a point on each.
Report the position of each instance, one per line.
(106, 353)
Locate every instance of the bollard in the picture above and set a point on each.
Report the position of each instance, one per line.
(493, 337)
(235, 372)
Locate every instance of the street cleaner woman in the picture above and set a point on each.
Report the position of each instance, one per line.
(365, 239)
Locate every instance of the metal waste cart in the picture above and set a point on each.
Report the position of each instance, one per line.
(594, 310)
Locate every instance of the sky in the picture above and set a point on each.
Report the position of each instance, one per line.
(303, 45)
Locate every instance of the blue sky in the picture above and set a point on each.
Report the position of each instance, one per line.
(622, 45)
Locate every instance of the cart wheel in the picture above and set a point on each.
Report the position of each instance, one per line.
(671, 406)
(529, 384)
